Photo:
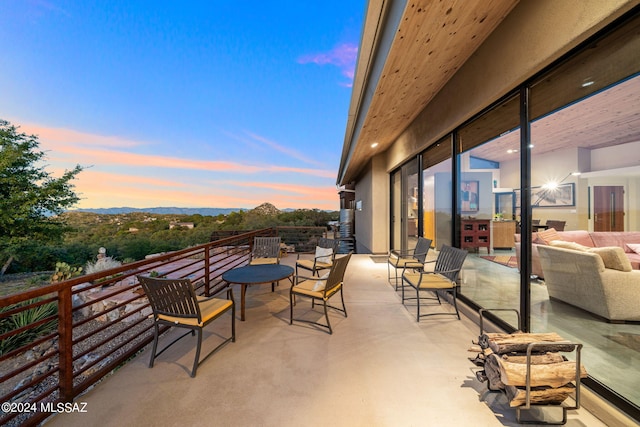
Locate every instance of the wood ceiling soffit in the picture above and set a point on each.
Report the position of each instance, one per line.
(433, 40)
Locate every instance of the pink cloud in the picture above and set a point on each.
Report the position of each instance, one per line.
(115, 177)
(291, 188)
(342, 56)
(74, 137)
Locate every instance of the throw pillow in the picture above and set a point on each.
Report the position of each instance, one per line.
(323, 254)
(635, 247)
(613, 257)
(568, 245)
(320, 284)
(546, 236)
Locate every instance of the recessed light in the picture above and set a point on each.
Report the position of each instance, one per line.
(588, 83)
(374, 145)
(510, 151)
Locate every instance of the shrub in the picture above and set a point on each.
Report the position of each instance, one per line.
(102, 264)
(25, 318)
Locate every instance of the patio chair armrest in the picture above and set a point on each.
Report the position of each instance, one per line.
(302, 278)
(305, 253)
(400, 254)
(440, 272)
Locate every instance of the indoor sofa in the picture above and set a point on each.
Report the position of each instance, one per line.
(598, 280)
(627, 240)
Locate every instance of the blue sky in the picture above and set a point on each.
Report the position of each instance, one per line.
(184, 103)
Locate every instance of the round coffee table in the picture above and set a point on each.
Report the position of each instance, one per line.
(255, 275)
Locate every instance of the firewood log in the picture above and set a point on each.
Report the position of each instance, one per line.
(517, 396)
(536, 359)
(511, 343)
(553, 375)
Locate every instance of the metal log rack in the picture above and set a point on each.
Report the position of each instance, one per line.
(577, 347)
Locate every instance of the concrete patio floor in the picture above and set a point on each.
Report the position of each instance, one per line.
(379, 368)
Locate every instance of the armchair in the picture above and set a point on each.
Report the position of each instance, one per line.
(443, 278)
(323, 257)
(175, 304)
(415, 259)
(266, 250)
(321, 289)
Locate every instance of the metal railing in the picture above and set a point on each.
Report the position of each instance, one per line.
(94, 323)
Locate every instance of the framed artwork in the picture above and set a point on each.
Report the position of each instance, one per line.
(561, 196)
(469, 196)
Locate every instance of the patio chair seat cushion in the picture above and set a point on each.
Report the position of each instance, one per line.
(263, 261)
(209, 309)
(305, 287)
(429, 281)
(407, 263)
(308, 264)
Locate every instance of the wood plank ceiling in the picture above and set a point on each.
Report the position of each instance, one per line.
(608, 118)
(433, 40)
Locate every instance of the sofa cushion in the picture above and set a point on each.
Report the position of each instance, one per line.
(579, 236)
(546, 236)
(569, 245)
(613, 257)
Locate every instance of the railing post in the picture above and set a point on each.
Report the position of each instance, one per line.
(207, 264)
(65, 344)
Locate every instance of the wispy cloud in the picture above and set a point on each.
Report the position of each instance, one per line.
(284, 150)
(87, 149)
(71, 136)
(119, 177)
(342, 56)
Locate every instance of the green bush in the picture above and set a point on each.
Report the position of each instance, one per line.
(25, 318)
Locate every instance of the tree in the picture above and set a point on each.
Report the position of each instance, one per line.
(30, 197)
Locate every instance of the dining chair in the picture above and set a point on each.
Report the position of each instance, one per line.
(555, 224)
(174, 303)
(321, 289)
(443, 278)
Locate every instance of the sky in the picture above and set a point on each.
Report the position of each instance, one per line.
(212, 103)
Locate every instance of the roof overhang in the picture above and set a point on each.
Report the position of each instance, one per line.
(408, 52)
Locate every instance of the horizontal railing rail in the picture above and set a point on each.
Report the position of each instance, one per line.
(61, 339)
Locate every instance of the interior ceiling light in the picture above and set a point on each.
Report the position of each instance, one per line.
(511, 151)
(587, 83)
(374, 145)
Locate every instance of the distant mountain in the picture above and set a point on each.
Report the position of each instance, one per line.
(163, 210)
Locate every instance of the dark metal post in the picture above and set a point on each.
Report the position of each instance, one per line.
(455, 185)
(525, 210)
(65, 344)
(207, 266)
(420, 199)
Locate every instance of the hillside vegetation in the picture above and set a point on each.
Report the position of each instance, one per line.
(132, 236)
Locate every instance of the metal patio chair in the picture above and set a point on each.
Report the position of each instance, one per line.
(321, 289)
(175, 304)
(323, 256)
(443, 278)
(415, 259)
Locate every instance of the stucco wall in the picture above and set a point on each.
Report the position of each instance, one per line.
(372, 223)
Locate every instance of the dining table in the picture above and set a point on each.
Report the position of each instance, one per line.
(248, 275)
